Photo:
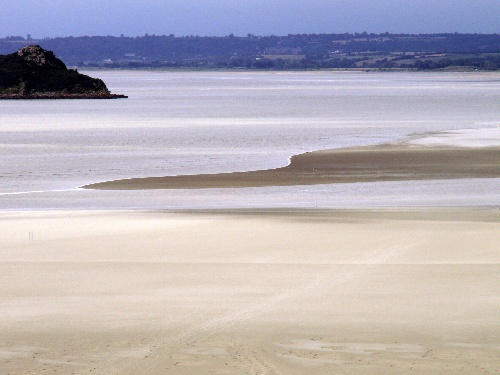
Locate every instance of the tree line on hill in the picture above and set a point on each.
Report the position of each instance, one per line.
(302, 51)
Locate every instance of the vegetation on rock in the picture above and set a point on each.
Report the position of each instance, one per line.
(34, 73)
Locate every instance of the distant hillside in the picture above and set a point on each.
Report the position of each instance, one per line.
(34, 73)
(305, 51)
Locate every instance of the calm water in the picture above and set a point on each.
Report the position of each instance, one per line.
(208, 122)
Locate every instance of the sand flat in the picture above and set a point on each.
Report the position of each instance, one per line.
(389, 162)
(270, 291)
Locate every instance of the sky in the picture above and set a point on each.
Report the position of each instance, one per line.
(53, 18)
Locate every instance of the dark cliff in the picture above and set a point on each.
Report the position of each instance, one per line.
(34, 73)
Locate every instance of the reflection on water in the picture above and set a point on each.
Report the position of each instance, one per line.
(440, 193)
(209, 122)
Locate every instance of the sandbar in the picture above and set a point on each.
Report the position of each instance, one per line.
(389, 162)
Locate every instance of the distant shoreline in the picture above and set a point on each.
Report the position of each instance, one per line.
(40, 96)
(422, 52)
(250, 70)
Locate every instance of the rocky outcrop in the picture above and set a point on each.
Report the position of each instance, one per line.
(34, 73)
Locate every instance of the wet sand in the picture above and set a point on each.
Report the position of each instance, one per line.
(365, 164)
(269, 292)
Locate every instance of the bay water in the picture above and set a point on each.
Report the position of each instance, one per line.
(210, 122)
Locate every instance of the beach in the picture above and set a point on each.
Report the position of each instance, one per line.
(290, 292)
(232, 223)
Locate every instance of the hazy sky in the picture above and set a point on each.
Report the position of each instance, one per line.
(261, 17)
